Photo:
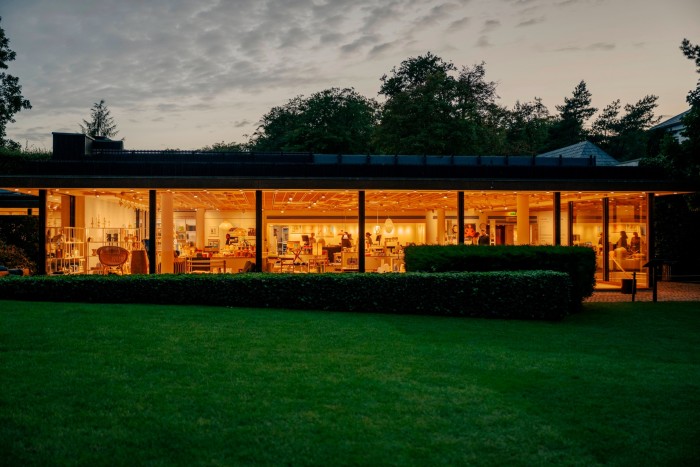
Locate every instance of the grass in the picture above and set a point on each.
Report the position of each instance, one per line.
(618, 384)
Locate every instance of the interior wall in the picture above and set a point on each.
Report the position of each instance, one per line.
(106, 212)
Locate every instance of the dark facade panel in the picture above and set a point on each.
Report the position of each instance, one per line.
(71, 146)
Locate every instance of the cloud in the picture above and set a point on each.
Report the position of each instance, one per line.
(531, 22)
(382, 48)
(459, 24)
(376, 19)
(490, 25)
(359, 43)
(437, 13)
(604, 46)
(483, 41)
(601, 46)
(181, 62)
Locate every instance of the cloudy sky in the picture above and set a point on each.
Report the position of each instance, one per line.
(189, 73)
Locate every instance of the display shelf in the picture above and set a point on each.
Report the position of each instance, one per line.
(66, 251)
(125, 237)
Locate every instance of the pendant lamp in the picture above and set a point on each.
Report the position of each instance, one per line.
(224, 227)
(388, 225)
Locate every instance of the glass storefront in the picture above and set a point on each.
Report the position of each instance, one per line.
(627, 237)
(319, 230)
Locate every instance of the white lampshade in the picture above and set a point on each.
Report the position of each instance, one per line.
(225, 226)
(388, 225)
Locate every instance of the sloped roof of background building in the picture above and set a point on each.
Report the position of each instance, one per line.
(583, 150)
(673, 121)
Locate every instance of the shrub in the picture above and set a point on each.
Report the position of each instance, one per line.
(21, 231)
(508, 295)
(577, 262)
(14, 257)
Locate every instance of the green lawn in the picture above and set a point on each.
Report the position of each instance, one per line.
(83, 384)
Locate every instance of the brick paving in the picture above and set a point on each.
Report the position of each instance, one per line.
(665, 292)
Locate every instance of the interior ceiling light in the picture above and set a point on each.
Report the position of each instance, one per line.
(389, 225)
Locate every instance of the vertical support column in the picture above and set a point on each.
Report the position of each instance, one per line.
(361, 230)
(430, 228)
(557, 217)
(201, 227)
(651, 236)
(440, 234)
(152, 231)
(79, 211)
(460, 217)
(71, 212)
(78, 204)
(570, 225)
(66, 208)
(523, 225)
(606, 239)
(259, 246)
(167, 234)
(43, 226)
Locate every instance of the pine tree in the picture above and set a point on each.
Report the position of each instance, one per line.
(101, 123)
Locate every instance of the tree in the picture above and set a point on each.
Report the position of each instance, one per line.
(607, 125)
(570, 127)
(433, 108)
(692, 52)
(101, 122)
(682, 159)
(625, 137)
(481, 122)
(678, 218)
(11, 99)
(527, 127)
(226, 147)
(692, 118)
(417, 116)
(332, 121)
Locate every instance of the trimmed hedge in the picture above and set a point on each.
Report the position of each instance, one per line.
(577, 262)
(508, 295)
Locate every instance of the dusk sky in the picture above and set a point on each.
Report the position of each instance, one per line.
(186, 74)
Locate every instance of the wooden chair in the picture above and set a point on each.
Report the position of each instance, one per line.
(112, 258)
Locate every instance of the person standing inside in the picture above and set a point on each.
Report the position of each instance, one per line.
(483, 238)
(622, 241)
(635, 243)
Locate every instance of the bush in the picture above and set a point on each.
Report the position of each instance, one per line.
(13, 161)
(21, 231)
(509, 295)
(14, 257)
(577, 262)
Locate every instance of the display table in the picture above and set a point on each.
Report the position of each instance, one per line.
(218, 264)
(385, 262)
(65, 265)
(234, 264)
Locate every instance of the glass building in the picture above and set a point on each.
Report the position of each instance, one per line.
(198, 212)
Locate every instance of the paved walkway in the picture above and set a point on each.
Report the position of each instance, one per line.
(665, 292)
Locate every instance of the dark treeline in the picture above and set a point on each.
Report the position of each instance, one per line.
(431, 106)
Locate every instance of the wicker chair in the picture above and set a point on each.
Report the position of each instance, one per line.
(112, 258)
